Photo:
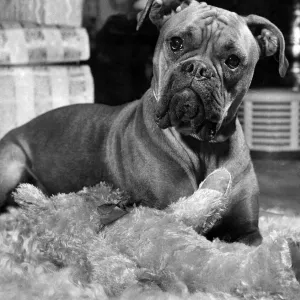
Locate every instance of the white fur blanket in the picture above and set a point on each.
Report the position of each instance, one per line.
(51, 248)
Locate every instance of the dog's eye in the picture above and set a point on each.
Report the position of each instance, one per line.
(232, 61)
(176, 44)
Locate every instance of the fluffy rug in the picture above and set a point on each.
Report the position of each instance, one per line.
(56, 248)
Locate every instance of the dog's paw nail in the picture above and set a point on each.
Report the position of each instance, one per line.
(178, 9)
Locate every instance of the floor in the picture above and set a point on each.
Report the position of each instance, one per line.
(279, 182)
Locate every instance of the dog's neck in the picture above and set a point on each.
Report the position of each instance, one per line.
(197, 157)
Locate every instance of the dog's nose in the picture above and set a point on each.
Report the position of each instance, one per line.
(197, 69)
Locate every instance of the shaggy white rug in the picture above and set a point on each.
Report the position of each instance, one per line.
(55, 248)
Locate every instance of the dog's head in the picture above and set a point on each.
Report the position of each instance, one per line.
(204, 63)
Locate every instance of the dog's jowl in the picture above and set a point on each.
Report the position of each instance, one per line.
(159, 148)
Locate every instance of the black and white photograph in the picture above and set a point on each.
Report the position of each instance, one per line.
(149, 150)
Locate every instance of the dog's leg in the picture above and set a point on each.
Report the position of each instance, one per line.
(12, 169)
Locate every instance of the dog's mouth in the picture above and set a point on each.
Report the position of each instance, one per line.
(185, 111)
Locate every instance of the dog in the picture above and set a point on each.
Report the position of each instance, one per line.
(159, 148)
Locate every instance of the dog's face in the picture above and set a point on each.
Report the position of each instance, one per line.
(204, 63)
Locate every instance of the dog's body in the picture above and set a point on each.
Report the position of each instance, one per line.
(161, 147)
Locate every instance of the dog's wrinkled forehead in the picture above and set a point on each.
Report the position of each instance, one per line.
(207, 20)
(208, 14)
(209, 29)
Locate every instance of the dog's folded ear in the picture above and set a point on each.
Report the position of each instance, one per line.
(159, 11)
(270, 40)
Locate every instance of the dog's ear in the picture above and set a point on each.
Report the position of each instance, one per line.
(270, 40)
(160, 11)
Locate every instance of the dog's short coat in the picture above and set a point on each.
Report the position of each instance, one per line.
(161, 147)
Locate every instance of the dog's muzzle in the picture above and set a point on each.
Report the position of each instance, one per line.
(185, 111)
(184, 106)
